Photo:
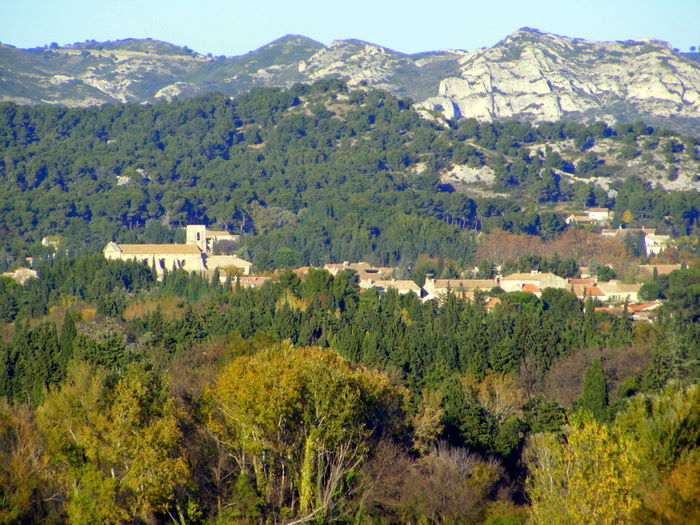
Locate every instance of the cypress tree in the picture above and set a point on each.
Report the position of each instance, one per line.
(65, 343)
(594, 397)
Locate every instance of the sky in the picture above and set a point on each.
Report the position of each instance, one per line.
(235, 27)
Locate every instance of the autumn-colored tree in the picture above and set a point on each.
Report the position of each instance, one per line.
(587, 478)
(675, 499)
(25, 476)
(500, 396)
(665, 428)
(447, 485)
(500, 246)
(115, 448)
(302, 419)
(586, 247)
(427, 422)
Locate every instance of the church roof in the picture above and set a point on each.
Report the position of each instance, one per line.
(159, 249)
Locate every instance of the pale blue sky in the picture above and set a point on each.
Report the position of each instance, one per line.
(235, 27)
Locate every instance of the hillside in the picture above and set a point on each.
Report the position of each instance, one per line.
(328, 172)
(529, 75)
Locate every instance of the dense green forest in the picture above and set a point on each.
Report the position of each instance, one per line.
(129, 400)
(320, 172)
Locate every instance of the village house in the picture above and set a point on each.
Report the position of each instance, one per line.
(538, 280)
(661, 269)
(335, 268)
(302, 271)
(591, 216)
(256, 281)
(645, 311)
(367, 274)
(617, 292)
(223, 262)
(193, 256)
(365, 271)
(654, 243)
(401, 286)
(439, 288)
(622, 232)
(606, 291)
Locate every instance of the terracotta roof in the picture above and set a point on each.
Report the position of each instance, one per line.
(159, 249)
(531, 288)
(302, 270)
(610, 309)
(582, 281)
(251, 282)
(594, 291)
(644, 307)
(492, 301)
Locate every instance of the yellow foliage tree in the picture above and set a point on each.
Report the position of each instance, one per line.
(587, 478)
(303, 418)
(666, 432)
(115, 449)
(644, 468)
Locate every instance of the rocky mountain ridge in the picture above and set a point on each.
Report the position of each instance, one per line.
(529, 75)
(539, 76)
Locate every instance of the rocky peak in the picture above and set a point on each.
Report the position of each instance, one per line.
(541, 76)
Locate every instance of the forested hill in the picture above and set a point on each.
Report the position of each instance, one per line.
(325, 172)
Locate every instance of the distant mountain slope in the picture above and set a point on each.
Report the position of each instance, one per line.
(132, 70)
(539, 76)
(529, 75)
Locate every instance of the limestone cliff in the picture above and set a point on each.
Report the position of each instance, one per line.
(538, 76)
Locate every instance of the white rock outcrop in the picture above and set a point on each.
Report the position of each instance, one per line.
(541, 76)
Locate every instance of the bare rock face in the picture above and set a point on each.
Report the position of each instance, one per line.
(538, 76)
(529, 75)
(176, 89)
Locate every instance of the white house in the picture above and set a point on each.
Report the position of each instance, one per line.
(541, 280)
(592, 216)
